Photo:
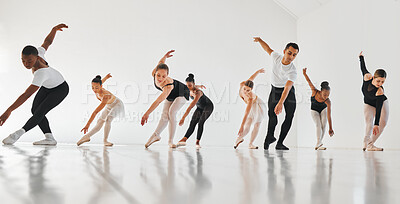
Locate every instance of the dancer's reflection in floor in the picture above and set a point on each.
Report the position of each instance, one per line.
(98, 168)
(280, 186)
(375, 182)
(201, 183)
(249, 169)
(40, 191)
(321, 186)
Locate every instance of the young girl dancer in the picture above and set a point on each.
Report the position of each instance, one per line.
(320, 109)
(176, 94)
(113, 108)
(376, 105)
(52, 91)
(255, 111)
(203, 111)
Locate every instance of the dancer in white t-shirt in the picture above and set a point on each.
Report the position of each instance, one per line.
(282, 94)
(52, 91)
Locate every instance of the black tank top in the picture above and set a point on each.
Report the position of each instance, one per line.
(203, 101)
(180, 89)
(317, 106)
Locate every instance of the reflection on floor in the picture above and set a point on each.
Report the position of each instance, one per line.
(131, 174)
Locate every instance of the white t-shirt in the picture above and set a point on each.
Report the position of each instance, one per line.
(46, 77)
(281, 73)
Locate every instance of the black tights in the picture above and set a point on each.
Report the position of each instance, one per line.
(45, 100)
(290, 108)
(199, 117)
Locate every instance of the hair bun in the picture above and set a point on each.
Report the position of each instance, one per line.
(191, 76)
(98, 77)
(325, 85)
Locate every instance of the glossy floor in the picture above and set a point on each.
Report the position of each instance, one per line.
(131, 174)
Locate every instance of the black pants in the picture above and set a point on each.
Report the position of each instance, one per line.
(199, 117)
(45, 100)
(290, 108)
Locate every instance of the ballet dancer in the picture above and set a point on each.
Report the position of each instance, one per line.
(320, 109)
(52, 91)
(282, 94)
(175, 94)
(114, 107)
(255, 111)
(203, 111)
(376, 105)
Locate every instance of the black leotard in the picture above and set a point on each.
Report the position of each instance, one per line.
(369, 92)
(179, 89)
(317, 106)
(203, 101)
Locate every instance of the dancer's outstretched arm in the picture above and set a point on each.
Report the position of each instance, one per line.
(367, 76)
(264, 45)
(246, 114)
(166, 91)
(329, 106)
(50, 37)
(313, 89)
(198, 95)
(20, 100)
(285, 93)
(105, 78)
(97, 110)
(162, 60)
(256, 74)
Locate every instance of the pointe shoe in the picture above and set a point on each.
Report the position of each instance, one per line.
(49, 140)
(181, 144)
(238, 141)
(320, 148)
(366, 142)
(251, 146)
(13, 137)
(83, 140)
(281, 147)
(152, 139)
(372, 147)
(198, 146)
(171, 145)
(108, 144)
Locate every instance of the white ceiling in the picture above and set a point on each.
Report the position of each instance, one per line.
(298, 8)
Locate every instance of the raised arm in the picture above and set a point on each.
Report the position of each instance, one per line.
(264, 45)
(166, 91)
(50, 37)
(106, 78)
(20, 100)
(246, 114)
(285, 93)
(256, 74)
(367, 76)
(329, 111)
(198, 95)
(162, 60)
(97, 110)
(309, 81)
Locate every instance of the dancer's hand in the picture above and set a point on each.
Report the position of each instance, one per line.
(85, 129)
(144, 119)
(169, 54)
(181, 121)
(361, 54)
(261, 71)
(108, 76)
(375, 131)
(331, 132)
(60, 27)
(304, 71)
(257, 39)
(240, 133)
(4, 117)
(278, 108)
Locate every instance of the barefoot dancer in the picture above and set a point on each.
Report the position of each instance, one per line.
(376, 105)
(203, 111)
(320, 109)
(174, 93)
(255, 111)
(52, 91)
(114, 107)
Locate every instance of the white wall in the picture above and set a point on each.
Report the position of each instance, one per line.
(330, 40)
(212, 39)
